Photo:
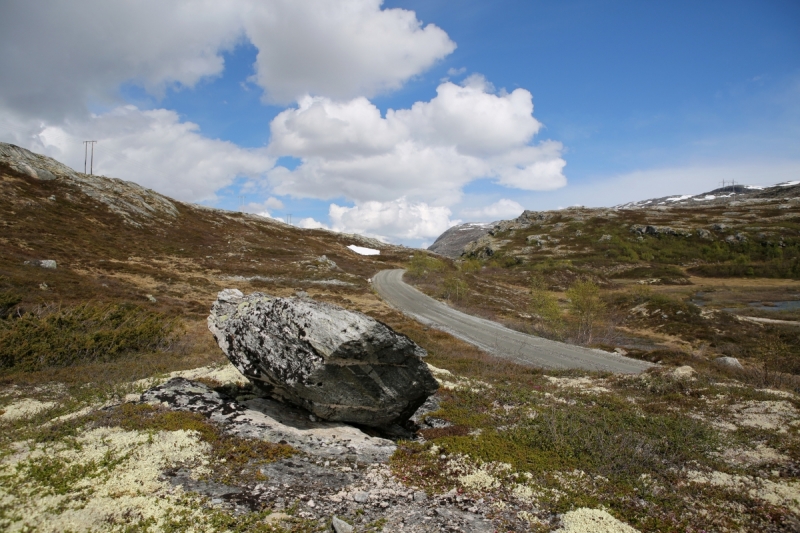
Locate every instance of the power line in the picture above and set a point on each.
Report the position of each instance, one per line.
(85, 154)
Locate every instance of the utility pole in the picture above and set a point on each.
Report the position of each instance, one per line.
(242, 198)
(289, 219)
(733, 189)
(86, 153)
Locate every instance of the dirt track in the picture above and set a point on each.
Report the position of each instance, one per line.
(494, 338)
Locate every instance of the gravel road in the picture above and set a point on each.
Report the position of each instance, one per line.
(494, 338)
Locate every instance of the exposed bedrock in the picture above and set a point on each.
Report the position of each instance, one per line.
(338, 364)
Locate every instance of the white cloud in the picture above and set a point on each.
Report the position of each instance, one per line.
(263, 207)
(152, 148)
(397, 219)
(58, 56)
(501, 210)
(339, 49)
(310, 223)
(425, 153)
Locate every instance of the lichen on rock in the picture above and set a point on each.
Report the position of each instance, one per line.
(340, 365)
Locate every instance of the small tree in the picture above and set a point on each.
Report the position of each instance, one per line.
(545, 305)
(585, 304)
(455, 288)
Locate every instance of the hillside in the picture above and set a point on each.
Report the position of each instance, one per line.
(93, 441)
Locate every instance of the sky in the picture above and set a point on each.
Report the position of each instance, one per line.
(399, 119)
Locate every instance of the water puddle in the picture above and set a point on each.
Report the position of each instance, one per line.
(785, 305)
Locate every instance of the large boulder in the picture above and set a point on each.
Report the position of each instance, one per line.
(338, 364)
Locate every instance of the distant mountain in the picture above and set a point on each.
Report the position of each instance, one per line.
(451, 243)
(679, 211)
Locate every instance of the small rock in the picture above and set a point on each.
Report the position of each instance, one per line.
(683, 372)
(730, 362)
(605, 238)
(43, 263)
(361, 497)
(340, 526)
(420, 496)
(151, 298)
(44, 286)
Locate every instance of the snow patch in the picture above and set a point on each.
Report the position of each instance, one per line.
(360, 250)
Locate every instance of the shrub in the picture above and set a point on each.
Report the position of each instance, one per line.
(56, 337)
(470, 266)
(545, 305)
(422, 264)
(586, 305)
(454, 288)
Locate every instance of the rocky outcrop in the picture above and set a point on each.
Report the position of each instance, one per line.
(338, 364)
(266, 419)
(452, 242)
(134, 203)
(643, 229)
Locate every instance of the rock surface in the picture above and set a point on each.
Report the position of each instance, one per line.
(266, 419)
(731, 362)
(338, 364)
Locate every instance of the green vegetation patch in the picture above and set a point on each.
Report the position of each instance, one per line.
(52, 336)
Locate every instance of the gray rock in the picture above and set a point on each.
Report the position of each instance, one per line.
(338, 364)
(340, 526)
(730, 362)
(266, 419)
(361, 497)
(44, 263)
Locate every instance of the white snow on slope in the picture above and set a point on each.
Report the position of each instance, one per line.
(360, 250)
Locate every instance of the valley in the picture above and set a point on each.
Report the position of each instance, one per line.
(105, 290)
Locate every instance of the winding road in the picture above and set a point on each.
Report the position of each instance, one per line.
(494, 338)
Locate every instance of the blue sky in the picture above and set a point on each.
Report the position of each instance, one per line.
(304, 108)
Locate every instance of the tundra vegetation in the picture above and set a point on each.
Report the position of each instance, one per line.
(674, 449)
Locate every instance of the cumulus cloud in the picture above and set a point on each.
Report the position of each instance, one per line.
(425, 153)
(311, 223)
(152, 148)
(58, 56)
(501, 210)
(397, 219)
(339, 49)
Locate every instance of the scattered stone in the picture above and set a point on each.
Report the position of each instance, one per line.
(340, 526)
(43, 263)
(151, 298)
(605, 238)
(266, 419)
(338, 364)
(730, 362)
(420, 496)
(361, 497)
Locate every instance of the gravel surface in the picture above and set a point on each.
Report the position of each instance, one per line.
(494, 338)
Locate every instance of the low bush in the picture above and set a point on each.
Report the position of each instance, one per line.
(52, 336)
